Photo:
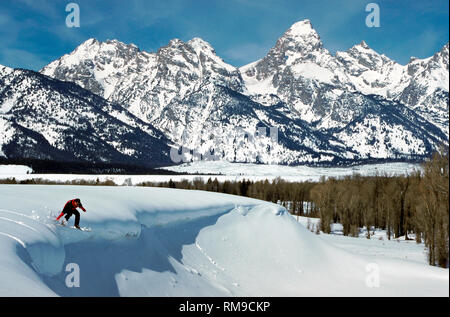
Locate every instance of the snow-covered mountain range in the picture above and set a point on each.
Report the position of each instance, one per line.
(356, 105)
(302, 73)
(44, 118)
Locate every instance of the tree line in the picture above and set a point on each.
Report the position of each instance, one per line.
(43, 166)
(415, 204)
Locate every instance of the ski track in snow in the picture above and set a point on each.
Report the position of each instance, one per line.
(16, 213)
(14, 238)
(19, 223)
(210, 259)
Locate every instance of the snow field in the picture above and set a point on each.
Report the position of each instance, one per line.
(166, 242)
(228, 171)
(14, 170)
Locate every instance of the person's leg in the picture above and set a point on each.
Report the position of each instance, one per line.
(68, 215)
(77, 218)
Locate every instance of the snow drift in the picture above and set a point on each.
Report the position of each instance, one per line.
(167, 242)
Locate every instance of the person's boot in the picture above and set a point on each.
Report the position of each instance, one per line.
(78, 227)
(63, 222)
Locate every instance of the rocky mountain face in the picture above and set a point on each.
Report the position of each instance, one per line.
(44, 118)
(303, 74)
(195, 99)
(356, 105)
(421, 85)
(426, 88)
(142, 82)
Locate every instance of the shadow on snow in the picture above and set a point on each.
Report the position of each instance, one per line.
(100, 261)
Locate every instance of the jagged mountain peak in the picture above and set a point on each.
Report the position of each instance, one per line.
(195, 54)
(361, 58)
(439, 60)
(363, 44)
(114, 46)
(196, 45)
(92, 49)
(443, 55)
(200, 45)
(98, 66)
(175, 42)
(300, 45)
(300, 37)
(362, 48)
(89, 42)
(301, 28)
(95, 42)
(440, 56)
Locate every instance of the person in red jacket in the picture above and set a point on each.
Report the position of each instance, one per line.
(70, 208)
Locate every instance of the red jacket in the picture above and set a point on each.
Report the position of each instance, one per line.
(71, 206)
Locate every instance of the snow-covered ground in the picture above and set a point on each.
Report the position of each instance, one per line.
(291, 173)
(14, 170)
(378, 245)
(235, 172)
(168, 242)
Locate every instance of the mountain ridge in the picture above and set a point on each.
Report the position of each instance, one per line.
(50, 119)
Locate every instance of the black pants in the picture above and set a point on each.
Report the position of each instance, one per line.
(77, 216)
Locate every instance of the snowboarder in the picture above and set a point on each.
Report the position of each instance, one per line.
(70, 208)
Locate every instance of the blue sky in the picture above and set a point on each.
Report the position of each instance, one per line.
(33, 32)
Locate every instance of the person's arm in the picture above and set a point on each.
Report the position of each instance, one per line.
(82, 208)
(65, 209)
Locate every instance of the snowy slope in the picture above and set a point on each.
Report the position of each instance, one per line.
(44, 118)
(378, 244)
(163, 242)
